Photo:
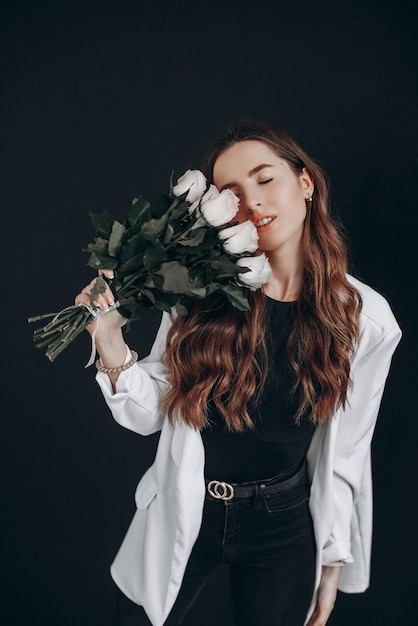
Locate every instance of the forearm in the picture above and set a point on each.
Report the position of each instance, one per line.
(326, 596)
(112, 350)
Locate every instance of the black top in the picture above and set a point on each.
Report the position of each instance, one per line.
(276, 444)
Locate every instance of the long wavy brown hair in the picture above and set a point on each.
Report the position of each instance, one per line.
(216, 354)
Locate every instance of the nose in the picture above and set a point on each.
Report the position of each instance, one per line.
(250, 203)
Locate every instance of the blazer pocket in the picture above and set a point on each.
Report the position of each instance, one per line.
(146, 491)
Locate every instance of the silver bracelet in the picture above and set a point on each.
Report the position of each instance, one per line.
(121, 368)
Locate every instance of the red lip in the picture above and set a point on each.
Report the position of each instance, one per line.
(264, 227)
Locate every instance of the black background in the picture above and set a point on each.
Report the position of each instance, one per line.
(102, 101)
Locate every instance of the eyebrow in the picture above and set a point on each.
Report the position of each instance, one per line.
(252, 172)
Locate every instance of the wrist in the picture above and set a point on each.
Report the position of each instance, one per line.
(130, 360)
(113, 352)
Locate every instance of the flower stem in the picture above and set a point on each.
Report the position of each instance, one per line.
(38, 318)
(55, 348)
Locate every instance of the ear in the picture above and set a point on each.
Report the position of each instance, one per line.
(307, 183)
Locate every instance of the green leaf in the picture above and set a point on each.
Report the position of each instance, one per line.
(197, 292)
(181, 309)
(139, 211)
(101, 261)
(175, 277)
(154, 256)
(202, 248)
(99, 245)
(162, 301)
(226, 265)
(115, 240)
(200, 223)
(169, 232)
(133, 246)
(195, 238)
(103, 223)
(132, 264)
(152, 229)
(171, 186)
(149, 294)
(179, 209)
(155, 282)
(236, 297)
(99, 287)
(127, 307)
(212, 288)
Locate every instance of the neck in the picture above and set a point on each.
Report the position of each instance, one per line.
(286, 276)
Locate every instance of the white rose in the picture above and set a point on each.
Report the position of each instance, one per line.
(211, 193)
(260, 271)
(219, 208)
(192, 181)
(240, 238)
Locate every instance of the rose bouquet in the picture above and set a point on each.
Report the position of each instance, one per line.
(165, 255)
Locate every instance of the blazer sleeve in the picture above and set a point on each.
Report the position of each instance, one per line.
(351, 535)
(136, 403)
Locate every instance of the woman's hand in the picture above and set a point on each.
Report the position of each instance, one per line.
(108, 336)
(112, 321)
(327, 593)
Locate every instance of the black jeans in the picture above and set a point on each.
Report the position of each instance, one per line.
(268, 542)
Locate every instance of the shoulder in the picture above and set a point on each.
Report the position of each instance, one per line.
(379, 330)
(375, 309)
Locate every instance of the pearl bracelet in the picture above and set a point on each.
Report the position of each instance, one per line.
(121, 368)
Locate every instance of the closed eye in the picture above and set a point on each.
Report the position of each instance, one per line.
(264, 182)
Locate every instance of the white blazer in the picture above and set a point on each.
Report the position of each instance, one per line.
(151, 561)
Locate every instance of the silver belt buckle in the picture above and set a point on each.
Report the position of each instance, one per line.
(220, 490)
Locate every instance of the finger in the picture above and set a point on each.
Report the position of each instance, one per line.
(87, 289)
(82, 298)
(101, 302)
(107, 297)
(107, 273)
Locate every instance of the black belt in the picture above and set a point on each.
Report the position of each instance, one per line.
(221, 490)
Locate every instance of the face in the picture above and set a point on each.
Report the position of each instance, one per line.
(270, 194)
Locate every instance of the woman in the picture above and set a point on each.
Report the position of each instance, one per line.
(266, 417)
